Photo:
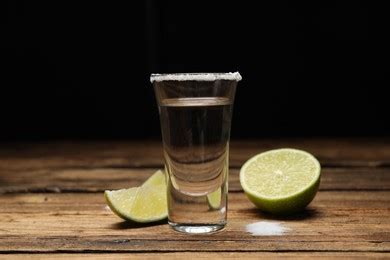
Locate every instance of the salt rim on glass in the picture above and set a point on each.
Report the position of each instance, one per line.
(195, 77)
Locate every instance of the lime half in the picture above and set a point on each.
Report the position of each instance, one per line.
(144, 204)
(281, 181)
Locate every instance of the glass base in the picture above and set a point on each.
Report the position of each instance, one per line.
(196, 228)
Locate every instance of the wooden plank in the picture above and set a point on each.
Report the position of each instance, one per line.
(97, 180)
(336, 221)
(60, 155)
(203, 255)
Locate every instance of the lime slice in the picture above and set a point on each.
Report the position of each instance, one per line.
(150, 203)
(121, 201)
(145, 204)
(281, 181)
(214, 199)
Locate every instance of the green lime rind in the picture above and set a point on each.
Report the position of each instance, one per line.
(284, 204)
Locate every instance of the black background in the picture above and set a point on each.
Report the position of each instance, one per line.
(80, 69)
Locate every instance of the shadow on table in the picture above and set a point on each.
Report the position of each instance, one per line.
(135, 225)
(308, 213)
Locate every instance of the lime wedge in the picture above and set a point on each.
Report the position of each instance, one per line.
(281, 181)
(145, 204)
(150, 203)
(121, 201)
(214, 199)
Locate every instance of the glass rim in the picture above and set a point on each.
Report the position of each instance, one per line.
(198, 76)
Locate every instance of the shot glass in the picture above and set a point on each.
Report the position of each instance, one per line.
(195, 115)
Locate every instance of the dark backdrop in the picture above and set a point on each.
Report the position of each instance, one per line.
(77, 69)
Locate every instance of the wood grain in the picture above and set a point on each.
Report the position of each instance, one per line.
(97, 180)
(203, 255)
(52, 204)
(79, 222)
(119, 154)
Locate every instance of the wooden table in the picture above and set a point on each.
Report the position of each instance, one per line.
(52, 205)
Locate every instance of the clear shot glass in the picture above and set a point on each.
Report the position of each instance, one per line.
(195, 115)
